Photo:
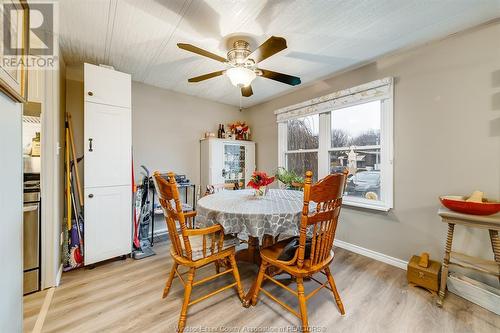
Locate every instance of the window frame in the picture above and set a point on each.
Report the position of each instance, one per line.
(286, 151)
(386, 201)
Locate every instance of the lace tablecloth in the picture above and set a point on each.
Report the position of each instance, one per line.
(240, 212)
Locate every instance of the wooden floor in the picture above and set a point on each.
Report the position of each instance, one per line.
(125, 296)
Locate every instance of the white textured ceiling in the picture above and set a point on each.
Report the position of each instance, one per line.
(324, 36)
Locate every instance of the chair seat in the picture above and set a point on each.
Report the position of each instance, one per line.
(271, 254)
(197, 245)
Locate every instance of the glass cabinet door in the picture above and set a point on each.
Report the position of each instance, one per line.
(234, 164)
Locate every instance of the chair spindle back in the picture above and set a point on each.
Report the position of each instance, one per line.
(327, 194)
(167, 192)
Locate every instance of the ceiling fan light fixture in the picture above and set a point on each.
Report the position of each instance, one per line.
(240, 76)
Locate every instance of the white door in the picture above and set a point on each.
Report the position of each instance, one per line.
(216, 162)
(249, 161)
(108, 152)
(108, 223)
(107, 86)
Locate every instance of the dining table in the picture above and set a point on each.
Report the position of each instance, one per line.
(257, 219)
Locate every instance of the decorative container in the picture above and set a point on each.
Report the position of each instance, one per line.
(458, 204)
(424, 277)
(261, 191)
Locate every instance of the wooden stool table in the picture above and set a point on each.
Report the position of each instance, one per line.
(491, 223)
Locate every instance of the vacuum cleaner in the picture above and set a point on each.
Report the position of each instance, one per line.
(144, 207)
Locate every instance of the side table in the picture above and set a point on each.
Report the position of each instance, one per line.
(491, 223)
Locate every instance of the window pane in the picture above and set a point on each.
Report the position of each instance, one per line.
(357, 125)
(338, 161)
(302, 162)
(303, 133)
(364, 171)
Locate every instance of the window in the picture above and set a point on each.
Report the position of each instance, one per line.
(302, 144)
(355, 145)
(354, 133)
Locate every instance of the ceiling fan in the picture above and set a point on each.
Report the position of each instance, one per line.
(243, 63)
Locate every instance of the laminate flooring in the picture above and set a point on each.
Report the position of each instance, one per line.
(125, 296)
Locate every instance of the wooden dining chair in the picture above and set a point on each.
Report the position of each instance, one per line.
(193, 248)
(314, 253)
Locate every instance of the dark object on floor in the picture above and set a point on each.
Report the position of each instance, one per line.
(288, 252)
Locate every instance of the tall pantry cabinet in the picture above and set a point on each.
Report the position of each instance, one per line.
(108, 163)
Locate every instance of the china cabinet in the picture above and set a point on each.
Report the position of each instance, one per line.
(226, 161)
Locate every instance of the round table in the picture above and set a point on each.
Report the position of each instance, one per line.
(241, 212)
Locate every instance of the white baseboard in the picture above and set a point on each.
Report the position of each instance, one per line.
(372, 254)
(59, 276)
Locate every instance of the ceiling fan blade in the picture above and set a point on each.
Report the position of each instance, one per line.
(197, 50)
(285, 78)
(246, 91)
(270, 47)
(205, 76)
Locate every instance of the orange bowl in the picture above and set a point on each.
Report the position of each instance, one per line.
(458, 204)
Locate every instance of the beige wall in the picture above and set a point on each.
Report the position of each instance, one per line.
(52, 176)
(62, 138)
(166, 126)
(447, 129)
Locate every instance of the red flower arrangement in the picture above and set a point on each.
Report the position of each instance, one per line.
(259, 179)
(239, 128)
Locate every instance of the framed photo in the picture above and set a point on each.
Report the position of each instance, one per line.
(14, 25)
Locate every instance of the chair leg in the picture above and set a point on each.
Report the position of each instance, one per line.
(187, 295)
(169, 280)
(217, 266)
(258, 282)
(334, 290)
(302, 304)
(236, 275)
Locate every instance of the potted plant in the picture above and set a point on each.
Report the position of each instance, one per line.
(290, 179)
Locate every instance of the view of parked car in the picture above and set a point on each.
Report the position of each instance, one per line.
(363, 182)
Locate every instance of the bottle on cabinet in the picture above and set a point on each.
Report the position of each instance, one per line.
(223, 132)
(219, 131)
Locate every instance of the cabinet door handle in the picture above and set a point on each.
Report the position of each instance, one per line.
(90, 144)
(91, 195)
(90, 93)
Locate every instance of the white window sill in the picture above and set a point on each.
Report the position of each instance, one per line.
(367, 204)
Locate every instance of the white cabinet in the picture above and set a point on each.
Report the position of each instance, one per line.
(108, 164)
(226, 161)
(108, 145)
(107, 86)
(108, 213)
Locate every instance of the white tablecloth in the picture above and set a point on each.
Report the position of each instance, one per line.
(240, 212)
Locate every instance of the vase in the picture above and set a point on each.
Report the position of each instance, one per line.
(261, 191)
